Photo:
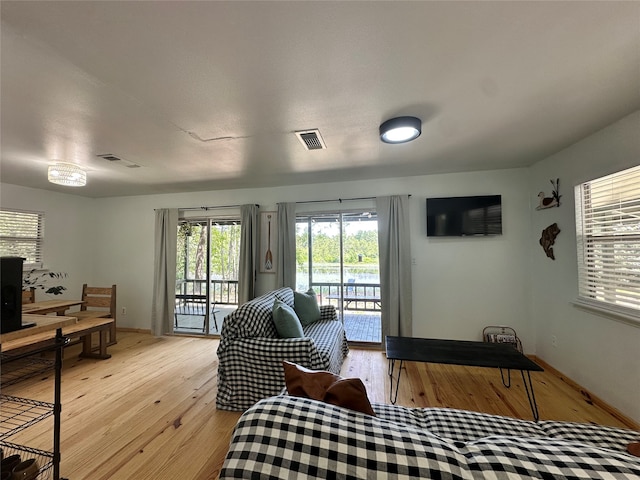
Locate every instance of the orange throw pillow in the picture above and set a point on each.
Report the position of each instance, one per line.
(327, 387)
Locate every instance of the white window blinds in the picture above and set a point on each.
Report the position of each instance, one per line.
(21, 235)
(608, 236)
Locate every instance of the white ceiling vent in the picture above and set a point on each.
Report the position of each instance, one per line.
(112, 158)
(311, 139)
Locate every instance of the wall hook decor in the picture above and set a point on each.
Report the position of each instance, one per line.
(553, 200)
(548, 238)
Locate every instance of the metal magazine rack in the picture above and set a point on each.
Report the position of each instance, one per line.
(502, 334)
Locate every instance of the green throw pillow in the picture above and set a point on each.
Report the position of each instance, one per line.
(306, 306)
(286, 321)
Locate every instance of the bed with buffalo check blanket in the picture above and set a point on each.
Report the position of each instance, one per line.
(289, 437)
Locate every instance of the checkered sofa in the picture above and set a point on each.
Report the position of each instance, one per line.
(290, 437)
(250, 354)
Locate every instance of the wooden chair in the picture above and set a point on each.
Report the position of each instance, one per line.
(194, 305)
(99, 302)
(29, 296)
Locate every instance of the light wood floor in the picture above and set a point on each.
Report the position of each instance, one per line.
(148, 413)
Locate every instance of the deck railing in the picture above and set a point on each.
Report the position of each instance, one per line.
(354, 296)
(223, 292)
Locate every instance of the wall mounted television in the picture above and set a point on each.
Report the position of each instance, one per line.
(464, 216)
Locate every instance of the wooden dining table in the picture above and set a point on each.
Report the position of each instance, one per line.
(36, 324)
(44, 307)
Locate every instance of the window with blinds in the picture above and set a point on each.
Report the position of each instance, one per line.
(608, 236)
(21, 235)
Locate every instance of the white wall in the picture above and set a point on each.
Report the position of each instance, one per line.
(460, 285)
(69, 240)
(464, 284)
(600, 353)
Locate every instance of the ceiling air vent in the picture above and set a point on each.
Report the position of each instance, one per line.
(311, 139)
(112, 158)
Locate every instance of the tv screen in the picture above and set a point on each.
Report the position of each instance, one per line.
(464, 216)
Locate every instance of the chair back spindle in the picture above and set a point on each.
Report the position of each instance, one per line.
(29, 296)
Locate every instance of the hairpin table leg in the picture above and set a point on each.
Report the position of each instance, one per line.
(394, 398)
(528, 386)
(508, 383)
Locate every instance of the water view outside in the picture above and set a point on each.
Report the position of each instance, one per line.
(359, 262)
(329, 274)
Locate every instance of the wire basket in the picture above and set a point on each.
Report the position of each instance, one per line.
(501, 334)
(43, 459)
(23, 368)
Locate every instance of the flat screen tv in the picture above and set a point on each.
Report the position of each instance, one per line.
(464, 216)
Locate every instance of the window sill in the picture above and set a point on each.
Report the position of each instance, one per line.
(628, 316)
(37, 267)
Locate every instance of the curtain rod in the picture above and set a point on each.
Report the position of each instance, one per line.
(210, 208)
(339, 200)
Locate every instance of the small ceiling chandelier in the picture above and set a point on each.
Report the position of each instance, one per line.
(67, 174)
(400, 130)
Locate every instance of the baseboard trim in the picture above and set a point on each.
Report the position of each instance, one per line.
(589, 397)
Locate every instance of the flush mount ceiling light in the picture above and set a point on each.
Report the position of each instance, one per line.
(400, 129)
(67, 174)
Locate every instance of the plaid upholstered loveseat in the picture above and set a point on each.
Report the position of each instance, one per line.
(290, 437)
(250, 354)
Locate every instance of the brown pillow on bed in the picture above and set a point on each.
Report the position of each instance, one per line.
(634, 448)
(327, 387)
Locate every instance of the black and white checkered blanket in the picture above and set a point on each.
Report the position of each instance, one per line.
(288, 437)
(250, 353)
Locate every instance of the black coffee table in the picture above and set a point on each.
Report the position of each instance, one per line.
(461, 352)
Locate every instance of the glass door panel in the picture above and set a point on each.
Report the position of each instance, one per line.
(326, 256)
(303, 271)
(337, 255)
(223, 271)
(191, 313)
(361, 278)
(206, 274)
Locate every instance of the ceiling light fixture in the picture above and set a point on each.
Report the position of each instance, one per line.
(67, 174)
(400, 129)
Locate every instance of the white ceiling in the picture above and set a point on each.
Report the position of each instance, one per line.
(497, 85)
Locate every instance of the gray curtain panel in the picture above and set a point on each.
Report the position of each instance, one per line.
(164, 274)
(248, 253)
(286, 261)
(394, 244)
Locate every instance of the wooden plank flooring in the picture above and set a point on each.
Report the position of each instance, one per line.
(149, 412)
(479, 389)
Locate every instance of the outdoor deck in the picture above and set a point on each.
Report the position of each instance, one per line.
(361, 327)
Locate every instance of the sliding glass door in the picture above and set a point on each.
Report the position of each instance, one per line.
(337, 256)
(206, 274)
